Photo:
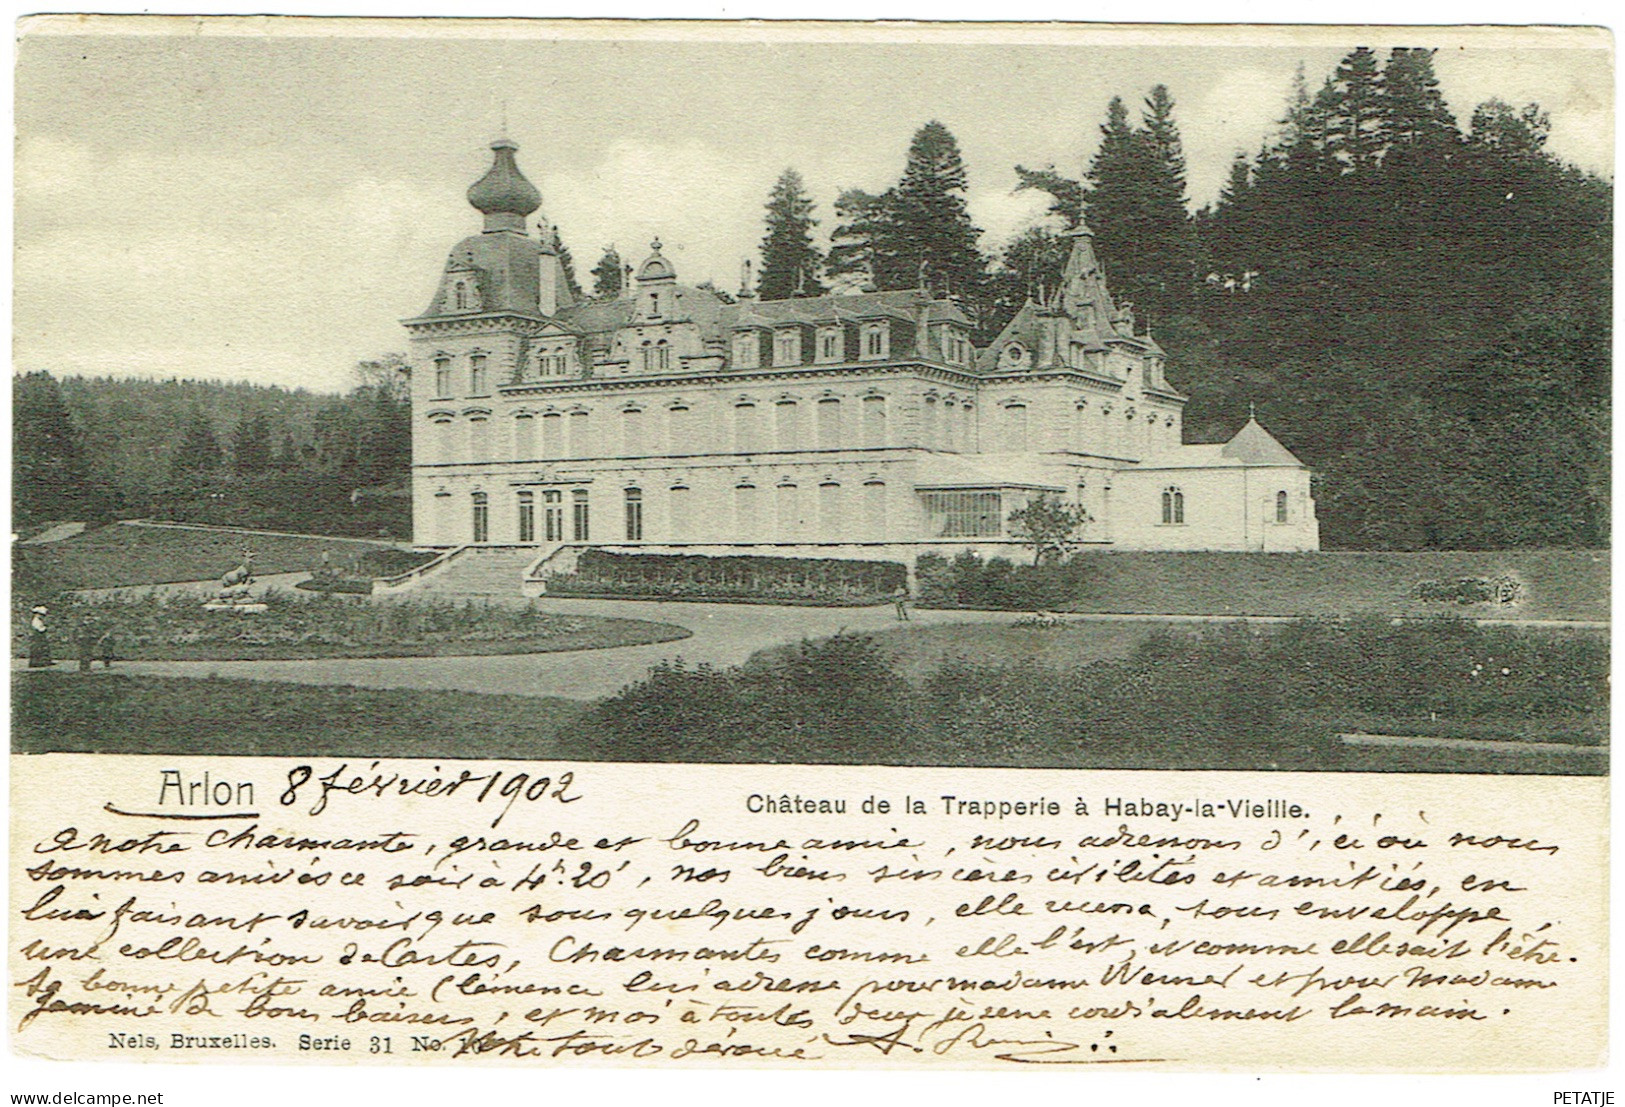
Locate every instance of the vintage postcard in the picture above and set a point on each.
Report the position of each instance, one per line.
(811, 546)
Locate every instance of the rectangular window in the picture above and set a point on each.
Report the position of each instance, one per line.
(875, 341)
(634, 515)
(482, 517)
(479, 439)
(963, 514)
(829, 345)
(677, 507)
(747, 350)
(552, 435)
(442, 378)
(524, 436)
(527, 516)
(581, 524)
(553, 516)
(745, 513)
(476, 375)
(1015, 428)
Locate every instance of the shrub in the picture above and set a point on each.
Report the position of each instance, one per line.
(1501, 590)
(696, 576)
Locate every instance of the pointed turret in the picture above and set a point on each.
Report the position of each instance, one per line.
(503, 195)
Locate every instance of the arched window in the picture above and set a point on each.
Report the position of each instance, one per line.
(581, 527)
(787, 512)
(634, 514)
(747, 436)
(579, 433)
(747, 350)
(745, 521)
(830, 522)
(787, 346)
(482, 517)
(874, 510)
(787, 420)
(527, 516)
(829, 424)
(1015, 428)
(476, 375)
(874, 421)
(830, 345)
(524, 436)
(479, 438)
(930, 423)
(1173, 506)
(553, 515)
(677, 506)
(648, 357)
(552, 435)
(442, 378)
(1280, 506)
(662, 356)
(875, 341)
(632, 432)
(677, 430)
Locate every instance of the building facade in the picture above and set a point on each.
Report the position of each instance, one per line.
(860, 425)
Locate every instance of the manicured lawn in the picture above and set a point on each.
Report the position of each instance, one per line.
(62, 711)
(115, 556)
(918, 651)
(1558, 584)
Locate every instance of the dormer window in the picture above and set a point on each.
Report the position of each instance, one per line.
(1014, 356)
(747, 350)
(460, 296)
(654, 305)
(876, 341)
(787, 347)
(829, 345)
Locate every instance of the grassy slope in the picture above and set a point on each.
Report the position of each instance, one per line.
(111, 713)
(1559, 584)
(116, 556)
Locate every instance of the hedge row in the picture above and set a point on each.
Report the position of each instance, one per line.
(698, 576)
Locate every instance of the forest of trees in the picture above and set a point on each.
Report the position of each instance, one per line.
(1420, 310)
(96, 448)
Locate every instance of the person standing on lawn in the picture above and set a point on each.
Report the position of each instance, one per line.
(39, 639)
(84, 641)
(107, 646)
(900, 598)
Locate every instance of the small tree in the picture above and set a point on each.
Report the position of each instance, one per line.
(1048, 524)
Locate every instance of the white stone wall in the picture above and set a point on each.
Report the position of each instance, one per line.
(1229, 508)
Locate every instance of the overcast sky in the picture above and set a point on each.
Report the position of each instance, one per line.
(267, 206)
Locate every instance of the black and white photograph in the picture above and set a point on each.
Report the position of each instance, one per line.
(1118, 517)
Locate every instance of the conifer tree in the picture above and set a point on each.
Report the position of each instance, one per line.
(859, 217)
(199, 452)
(791, 263)
(49, 476)
(927, 236)
(609, 275)
(567, 263)
(1414, 114)
(251, 445)
(1355, 120)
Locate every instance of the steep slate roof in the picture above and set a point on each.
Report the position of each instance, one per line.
(1252, 446)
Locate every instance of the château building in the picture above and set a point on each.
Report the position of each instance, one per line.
(859, 425)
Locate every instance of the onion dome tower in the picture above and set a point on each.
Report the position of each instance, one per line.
(503, 195)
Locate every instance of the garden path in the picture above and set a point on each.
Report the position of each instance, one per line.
(723, 634)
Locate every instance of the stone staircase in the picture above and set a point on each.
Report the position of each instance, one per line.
(466, 571)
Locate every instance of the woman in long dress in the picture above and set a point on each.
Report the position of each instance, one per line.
(39, 640)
